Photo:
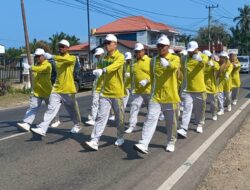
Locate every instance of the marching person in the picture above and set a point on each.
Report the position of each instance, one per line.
(63, 91)
(235, 77)
(141, 83)
(41, 90)
(164, 97)
(99, 53)
(112, 93)
(194, 91)
(127, 77)
(211, 69)
(225, 83)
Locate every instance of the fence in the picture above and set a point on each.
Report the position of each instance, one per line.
(10, 74)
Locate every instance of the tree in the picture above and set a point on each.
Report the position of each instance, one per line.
(56, 38)
(13, 55)
(243, 19)
(39, 44)
(242, 31)
(218, 32)
(184, 38)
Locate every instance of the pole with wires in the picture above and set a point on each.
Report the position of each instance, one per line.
(209, 23)
(26, 35)
(89, 50)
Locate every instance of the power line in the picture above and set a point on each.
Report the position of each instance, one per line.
(151, 12)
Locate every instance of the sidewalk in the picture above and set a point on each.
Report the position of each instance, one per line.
(231, 170)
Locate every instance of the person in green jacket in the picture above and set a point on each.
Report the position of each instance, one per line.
(194, 89)
(235, 77)
(211, 69)
(41, 90)
(63, 91)
(112, 93)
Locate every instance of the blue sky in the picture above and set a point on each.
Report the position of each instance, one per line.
(47, 17)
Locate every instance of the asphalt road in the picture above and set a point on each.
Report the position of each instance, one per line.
(58, 161)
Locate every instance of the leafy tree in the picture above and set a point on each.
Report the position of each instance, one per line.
(218, 32)
(55, 38)
(243, 20)
(184, 38)
(13, 55)
(241, 33)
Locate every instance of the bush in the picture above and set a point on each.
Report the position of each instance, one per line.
(6, 88)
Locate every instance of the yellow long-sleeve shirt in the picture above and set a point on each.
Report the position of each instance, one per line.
(127, 79)
(236, 75)
(141, 71)
(65, 78)
(225, 84)
(210, 77)
(42, 79)
(113, 85)
(194, 74)
(99, 80)
(164, 80)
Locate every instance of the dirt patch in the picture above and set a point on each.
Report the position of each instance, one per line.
(231, 170)
(14, 100)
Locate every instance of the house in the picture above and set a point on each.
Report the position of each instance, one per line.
(134, 28)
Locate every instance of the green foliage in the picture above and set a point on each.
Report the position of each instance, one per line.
(241, 32)
(56, 38)
(218, 32)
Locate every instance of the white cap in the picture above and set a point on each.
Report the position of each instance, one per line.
(111, 37)
(224, 54)
(171, 51)
(99, 51)
(64, 42)
(193, 45)
(163, 40)
(128, 55)
(138, 47)
(39, 51)
(184, 52)
(207, 52)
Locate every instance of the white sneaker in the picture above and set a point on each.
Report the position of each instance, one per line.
(24, 126)
(76, 129)
(90, 122)
(181, 108)
(38, 131)
(182, 132)
(221, 112)
(112, 118)
(229, 108)
(162, 117)
(214, 118)
(199, 129)
(92, 145)
(234, 102)
(119, 142)
(170, 147)
(55, 124)
(90, 117)
(141, 148)
(130, 130)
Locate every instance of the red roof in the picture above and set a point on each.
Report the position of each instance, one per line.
(83, 46)
(132, 23)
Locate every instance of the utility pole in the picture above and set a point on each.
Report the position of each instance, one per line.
(210, 7)
(26, 35)
(88, 34)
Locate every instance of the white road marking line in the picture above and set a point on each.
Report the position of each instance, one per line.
(12, 136)
(175, 177)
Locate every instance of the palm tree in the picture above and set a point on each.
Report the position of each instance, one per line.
(244, 18)
(55, 38)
